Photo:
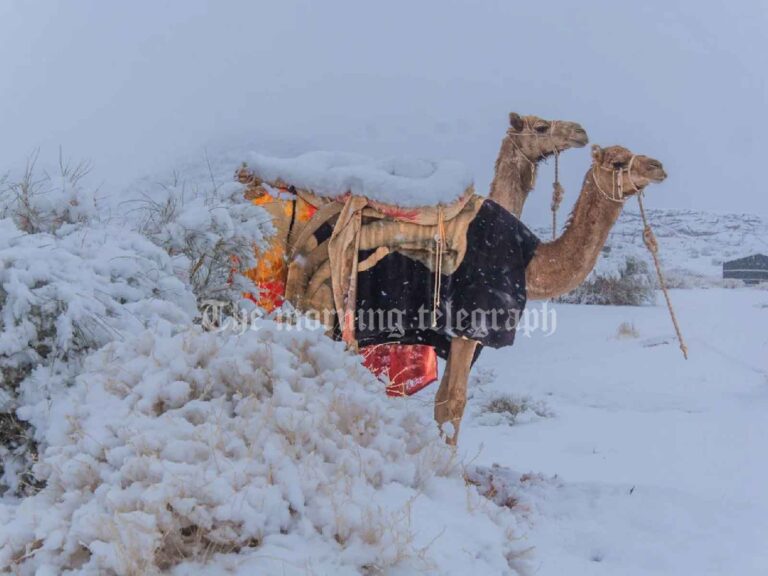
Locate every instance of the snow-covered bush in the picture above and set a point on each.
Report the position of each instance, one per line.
(508, 488)
(61, 296)
(41, 201)
(632, 285)
(507, 409)
(274, 451)
(209, 229)
(627, 330)
(72, 280)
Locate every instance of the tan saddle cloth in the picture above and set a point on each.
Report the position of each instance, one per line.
(322, 276)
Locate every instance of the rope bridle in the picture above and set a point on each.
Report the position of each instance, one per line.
(617, 181)
(529, 131)
(520, 150)
(557, 190)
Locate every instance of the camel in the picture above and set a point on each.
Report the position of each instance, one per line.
(478, 257)
(561, 265)
(528, 141)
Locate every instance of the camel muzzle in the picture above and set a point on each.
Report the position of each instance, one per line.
(579, 138)
(658, 174)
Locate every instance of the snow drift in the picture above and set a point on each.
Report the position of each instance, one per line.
(274, 450)
(62, 296)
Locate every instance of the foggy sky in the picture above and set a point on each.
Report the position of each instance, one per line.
(135, 85)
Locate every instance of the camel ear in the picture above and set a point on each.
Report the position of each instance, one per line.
(597, 153)
(515, 121)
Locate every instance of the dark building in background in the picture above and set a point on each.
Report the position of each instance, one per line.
(751, 269)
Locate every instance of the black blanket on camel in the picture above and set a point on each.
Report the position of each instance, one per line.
(482, 300)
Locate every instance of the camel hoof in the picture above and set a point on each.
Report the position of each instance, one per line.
(449, 433)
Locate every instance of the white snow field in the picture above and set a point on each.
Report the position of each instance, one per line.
(591, 449)
(653, 464)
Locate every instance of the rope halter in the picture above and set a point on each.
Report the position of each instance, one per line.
(529, 131)
(557, 190)
(618, 176)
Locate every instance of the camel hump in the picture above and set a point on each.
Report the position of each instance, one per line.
(396, 182)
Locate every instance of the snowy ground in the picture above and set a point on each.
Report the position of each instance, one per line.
(625, 459)
(656, 465)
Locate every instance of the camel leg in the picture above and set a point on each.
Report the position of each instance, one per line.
(451, 397)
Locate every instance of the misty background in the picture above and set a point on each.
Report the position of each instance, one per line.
(134, 87)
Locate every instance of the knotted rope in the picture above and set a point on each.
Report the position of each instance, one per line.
(649, 239)
(557, 195)
(557, 190)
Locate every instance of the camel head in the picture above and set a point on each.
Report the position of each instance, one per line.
(538, 138)
(619, 173)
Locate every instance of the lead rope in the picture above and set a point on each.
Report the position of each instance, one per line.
(557, 194)
(439, 241)
(649, 239)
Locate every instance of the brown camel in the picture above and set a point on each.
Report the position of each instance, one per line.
(528, 141)
(548, 270)
(559, 266)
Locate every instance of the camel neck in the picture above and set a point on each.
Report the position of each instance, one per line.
(592, 218)
(514, 178)
(563, 264)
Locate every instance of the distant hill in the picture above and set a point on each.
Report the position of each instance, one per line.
(692, 244)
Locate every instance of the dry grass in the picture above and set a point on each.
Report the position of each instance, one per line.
(627, 330)
(634, 286)
(513, 406)
(20, 199)
(19, 449)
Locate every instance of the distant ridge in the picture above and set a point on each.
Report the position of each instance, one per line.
(693, 243)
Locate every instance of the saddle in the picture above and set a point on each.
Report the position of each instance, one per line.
(323, 253)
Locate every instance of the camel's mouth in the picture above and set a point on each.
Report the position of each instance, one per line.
(655, 171)
(579, 139)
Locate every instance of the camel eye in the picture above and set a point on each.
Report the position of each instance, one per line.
(618, 165)
(541, 128)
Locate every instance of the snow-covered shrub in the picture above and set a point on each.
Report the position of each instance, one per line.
(508, 488)
(633, 285)
(270, 452)
(627, 330)
(480, 378)
(677, 278)
(62, 295)
(507, 408)
(40, 201)
(72, 280)
(208, 228)
(733, 283)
